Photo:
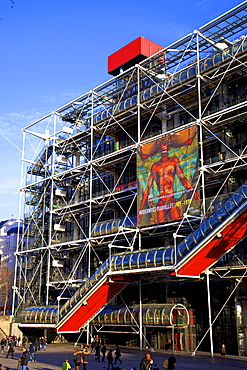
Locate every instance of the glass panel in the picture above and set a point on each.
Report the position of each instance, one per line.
(109, 112)
(142, 258)
(134, 100)
(205, 227)
(208, 62)
(103, 228)
(121, 105)
(150, 317)
(217, 58)
(114, 317)
(126, 260)
(121, 316)
(238, 198)
(127, 317)
(230, 206)
(159, 257)
(157, 317)
(161, 86)
(127, 103)
(221, 213)
(182, 249)
(190, 242)
(198, 235)
(118, 263)
(183, 76)
(165, 318)
(176, 79)
(191, 71)
(243, 189)
(134, 316)
(104, 114)
(133, 261)
(153, 90)
(146, 94)
(213, 220)
(168, 256)
(150, 258)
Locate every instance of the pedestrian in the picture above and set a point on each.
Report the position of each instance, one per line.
(93, 345)
(24, 359)
(31, 352)
(44, 343)
(11, 349)
(1, 367)
(103, 351)
(110, 360)
(78, 358)
(85, 353)
(146, 362)
(117, 355)
(66, 365)
(97, 353)
(36, 345)
(3, 344)
(171, 362)
(223, 350)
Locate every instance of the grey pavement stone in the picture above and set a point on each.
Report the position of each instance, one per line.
(53, 358)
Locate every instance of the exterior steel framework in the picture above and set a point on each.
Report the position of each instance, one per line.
(79, 184)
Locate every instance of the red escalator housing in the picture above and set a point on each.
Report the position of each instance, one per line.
(212, 251)
(97, 300)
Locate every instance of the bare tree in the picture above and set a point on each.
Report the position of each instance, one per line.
(6, 283)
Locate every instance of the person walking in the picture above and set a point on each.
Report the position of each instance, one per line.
(146, 362)
(97, 353)
(110, 360)
(103, 351)
(31, 352)
(45, 343)
(66, 365)
(223, 350)
(11, 349)
(24, 359)
(117, 355)
(3, 344)
(171, 362)
(85, 354)
(78, 358)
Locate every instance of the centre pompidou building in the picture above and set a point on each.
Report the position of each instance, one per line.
(134, 199)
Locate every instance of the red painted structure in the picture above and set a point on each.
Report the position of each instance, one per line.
(213, 250)
(131, 54)
(94, 303)
(225, 237)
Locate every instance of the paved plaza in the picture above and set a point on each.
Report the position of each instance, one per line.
(57, 353)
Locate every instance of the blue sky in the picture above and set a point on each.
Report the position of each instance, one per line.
(53, 51)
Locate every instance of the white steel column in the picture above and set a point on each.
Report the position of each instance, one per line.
(199, 123)
(209, 316)
(51, 208)
(88, 334)
(140, 315)
(90, 186)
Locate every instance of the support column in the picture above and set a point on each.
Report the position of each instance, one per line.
(140, 315)
(88, 334)
(209, 316)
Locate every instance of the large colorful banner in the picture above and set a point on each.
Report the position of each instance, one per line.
(167, 173)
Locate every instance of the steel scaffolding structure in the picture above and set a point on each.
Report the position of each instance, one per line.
(79, 175)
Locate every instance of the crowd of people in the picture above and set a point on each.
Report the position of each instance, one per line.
(80, 356)
(9, 343)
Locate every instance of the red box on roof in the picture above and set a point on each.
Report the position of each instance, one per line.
(131, 54)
